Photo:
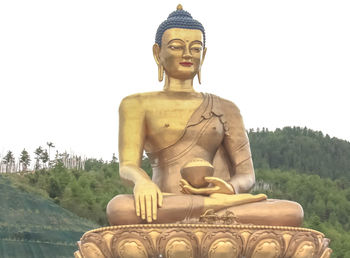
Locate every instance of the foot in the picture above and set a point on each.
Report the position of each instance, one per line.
(220, 201)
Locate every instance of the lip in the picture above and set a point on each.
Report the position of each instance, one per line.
(187, 64)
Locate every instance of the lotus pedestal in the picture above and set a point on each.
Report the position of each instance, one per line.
(202, 241)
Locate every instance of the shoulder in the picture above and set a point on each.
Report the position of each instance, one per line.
(137, 101)
(138, 97)
(227, 106)
(230, 116)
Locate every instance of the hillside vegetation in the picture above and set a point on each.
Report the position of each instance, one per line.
(326, 203)
(33, 226)
(83, 192)
(289, 165)
(301, 149)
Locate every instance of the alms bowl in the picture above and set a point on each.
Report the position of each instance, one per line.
(195, 171)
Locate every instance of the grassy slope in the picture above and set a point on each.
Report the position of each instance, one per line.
(32, 226)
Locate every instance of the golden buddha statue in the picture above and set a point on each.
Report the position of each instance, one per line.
(197, 203)
(178, 125)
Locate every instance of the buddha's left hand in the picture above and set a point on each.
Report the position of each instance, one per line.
(219, 186)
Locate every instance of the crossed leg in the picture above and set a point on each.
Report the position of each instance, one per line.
(248, 209)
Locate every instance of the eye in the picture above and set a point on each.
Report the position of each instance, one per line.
(196, 49)
(172, 47)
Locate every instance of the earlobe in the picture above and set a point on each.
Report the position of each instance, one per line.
(156, 51)
(160, 72)
(199, 75)
(203, 55)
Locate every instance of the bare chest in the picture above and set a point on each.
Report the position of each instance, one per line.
(166, 122)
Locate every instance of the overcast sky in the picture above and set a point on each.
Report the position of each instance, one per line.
(65, 66)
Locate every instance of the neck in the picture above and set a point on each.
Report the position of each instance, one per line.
(178, 85)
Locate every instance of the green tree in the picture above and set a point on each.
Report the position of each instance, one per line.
(303, 150)
(24, 159)
(114, 159)
(38, 152)
(54, 189)
(9, 160)
(50, 145)
(44, 157)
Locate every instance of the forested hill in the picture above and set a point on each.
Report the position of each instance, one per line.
(34, 226)
(301, 149)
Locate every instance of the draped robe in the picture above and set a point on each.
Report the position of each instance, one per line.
(215, 132)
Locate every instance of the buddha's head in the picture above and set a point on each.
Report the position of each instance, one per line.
(180, 46)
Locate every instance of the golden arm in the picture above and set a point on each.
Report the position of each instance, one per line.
(131, 140)
(132, 133)
(236, 144)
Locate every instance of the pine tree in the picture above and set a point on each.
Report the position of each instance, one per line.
(50, 145)
(24, 160)
(38, 153)
(44, 157)
(9, 160)
(114, 159)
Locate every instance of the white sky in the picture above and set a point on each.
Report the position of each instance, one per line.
(65, 66)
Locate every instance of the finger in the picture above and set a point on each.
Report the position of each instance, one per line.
(214, 189)
(183, 182)
(248, 198)
(193, 190)
(137, 205)
(203, 191)
(154, 206)
(188, 189)
(261, 197)
(255, 198)
(149, 208)
(221, 185)
(160, 198)
(182, 187)
(184, 190)
(142, 207)
(212, 180)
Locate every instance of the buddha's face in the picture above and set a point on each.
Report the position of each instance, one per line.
(181, 52)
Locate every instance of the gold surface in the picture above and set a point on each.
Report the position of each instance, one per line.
(175, 126)
(195, 173)
(202, 171)
(201, 241)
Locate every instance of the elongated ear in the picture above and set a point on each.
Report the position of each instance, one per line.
(203, 55)
(156, 51)
(199, 73)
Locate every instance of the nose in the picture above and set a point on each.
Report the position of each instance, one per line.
(187, 53)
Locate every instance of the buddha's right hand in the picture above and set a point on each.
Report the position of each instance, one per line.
(148, 198)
